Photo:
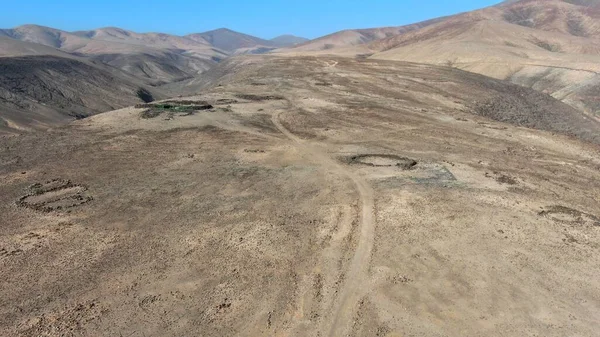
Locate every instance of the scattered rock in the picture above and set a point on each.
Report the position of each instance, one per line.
(54, 195)
(224, 101)
(259, 98)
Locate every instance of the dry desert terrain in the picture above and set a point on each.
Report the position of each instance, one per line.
(308, 196)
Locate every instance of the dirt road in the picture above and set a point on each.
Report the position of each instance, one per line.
(357, 280)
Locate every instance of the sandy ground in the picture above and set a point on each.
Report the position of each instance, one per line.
(289, 209)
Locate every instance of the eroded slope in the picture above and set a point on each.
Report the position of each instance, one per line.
(42, 91)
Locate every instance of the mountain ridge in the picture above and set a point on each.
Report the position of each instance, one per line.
(552, 46)
(217, 43)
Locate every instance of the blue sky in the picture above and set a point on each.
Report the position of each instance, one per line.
(263, 18)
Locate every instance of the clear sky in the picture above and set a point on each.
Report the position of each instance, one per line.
(262, 18)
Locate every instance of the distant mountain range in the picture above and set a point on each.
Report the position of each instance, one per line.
(49, 75)
(219, 42)
(154, 56)
(552, 46)
(236, 43)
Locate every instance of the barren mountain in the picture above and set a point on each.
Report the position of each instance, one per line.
(111, 40)
(357, 37)
(564, 20)
(552, 46)
(157, 58)
(578, 18)
(189, 47)
(153, 39)
(10, 47)
(42, 91)
(44, 35)
(154, 57)
(239, 43)
(230, 40)
(308, 197)
(156, 67)
(288, 40)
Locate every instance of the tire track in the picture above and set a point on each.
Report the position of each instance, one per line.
(355, 285)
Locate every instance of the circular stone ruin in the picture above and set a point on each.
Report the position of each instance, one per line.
(54, 195)
(564, 214)
(383, 160)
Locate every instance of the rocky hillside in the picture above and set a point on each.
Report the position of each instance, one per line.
(42, 91)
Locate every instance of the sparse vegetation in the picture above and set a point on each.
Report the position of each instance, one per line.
(172, 107)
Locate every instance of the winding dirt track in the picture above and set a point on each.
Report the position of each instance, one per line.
(356, 283)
